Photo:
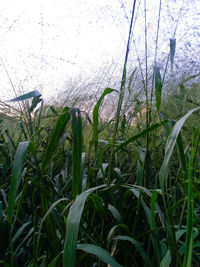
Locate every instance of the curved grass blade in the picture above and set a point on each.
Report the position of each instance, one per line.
(32, 94)
(166, 260)
(77, 177)
(42, 221)
(98, 204)
(96, 116)
(20, 231)
(35, 101)
(101, 253)
(16, 177)
(137, 246)
(171, 141)
(54, 261)
(152, 226)
(148, 193)
(55, 136)
(73, 222)
(144, 132)
(112, 233)
(115, 213)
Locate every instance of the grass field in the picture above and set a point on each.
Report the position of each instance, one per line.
(81, 189)
(77, 193)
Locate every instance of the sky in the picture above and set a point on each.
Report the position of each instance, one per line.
(45, 43)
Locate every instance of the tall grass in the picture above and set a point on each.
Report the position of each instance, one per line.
(94, 192)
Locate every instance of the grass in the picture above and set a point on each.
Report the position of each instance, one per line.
(58, 208)
(88, 190)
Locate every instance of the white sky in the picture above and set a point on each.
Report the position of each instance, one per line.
(43, 43)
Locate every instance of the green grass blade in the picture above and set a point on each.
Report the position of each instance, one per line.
(166, 260)
(171, 141)
(16, 177)
(148, 213)
(55, 136)
(73, 222)
(158, 87)
(117, 228)
(154, 197)
(148, 193)
(182, 154)
(53, 206)
(137, 246)
(96, 116)
(32, 94)
(142, 133)
(35, 101)
(101, 253)
(115, 213)
(54, 261)
(20, 231)
(77, 178)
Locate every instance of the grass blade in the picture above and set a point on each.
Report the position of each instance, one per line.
(53, 206)
(55, 136)
(16, 177)
(32, 94)
(76, 152)
(96, 116)
(171, 141)
(54, 261)
(158, 87)
(101, 253)
(137, 246)
(73, 221)
(142, 133)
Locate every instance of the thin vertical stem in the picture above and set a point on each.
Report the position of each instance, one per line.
(146, 53)
(156, 47)
(121, 94)
(146, 96)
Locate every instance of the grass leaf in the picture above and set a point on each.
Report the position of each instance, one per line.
(137, 246)
(55, 136)
(76, 152)
(158, 87)
(32, 94)
(142, 133)
(171, 141)
(73, 222)
(96, 116)
(101, 253)
(16, 177)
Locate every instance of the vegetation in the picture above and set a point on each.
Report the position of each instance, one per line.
(64, 202)
(78, 189)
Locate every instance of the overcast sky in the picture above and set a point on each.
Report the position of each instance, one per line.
(43, 43)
